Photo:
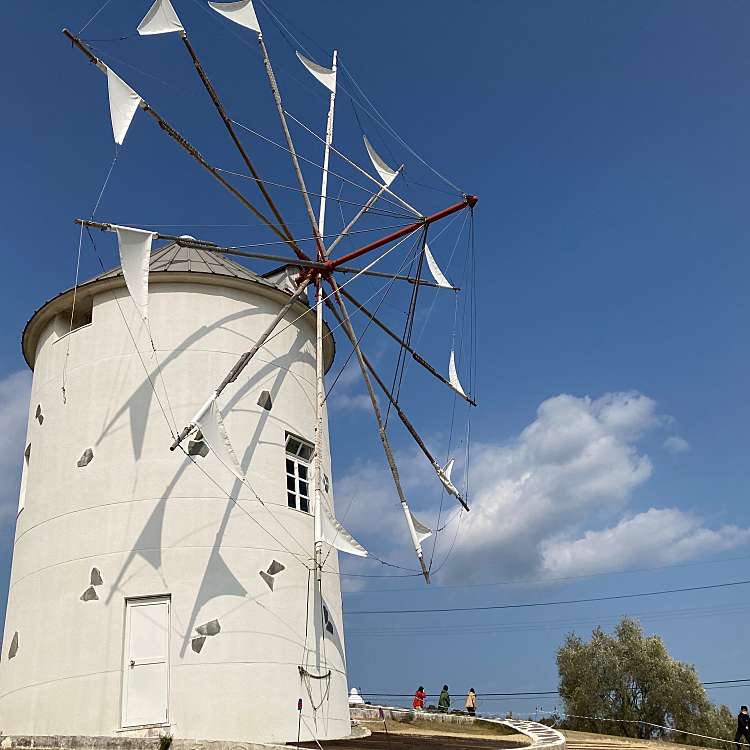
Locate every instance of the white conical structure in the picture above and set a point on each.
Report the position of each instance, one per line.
(241, 12)
(134, 246)
(160, 19)
(453, 375)
(337, 536)
(423, 532)
(386, 173)
(215, 434)
(127, 552)
(327, 76)
(123, 104)
(437, 274)
(445, 477)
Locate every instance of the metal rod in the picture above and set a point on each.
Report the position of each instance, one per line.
(362, 171)
(417, 358)
(362, 211)
(233, 134)
(210, 247)
(326, 158)
(245, 358)
(290, 146)
(468, 201)
(347, 326)
(181, 140)
(404, 419)
(319, 370)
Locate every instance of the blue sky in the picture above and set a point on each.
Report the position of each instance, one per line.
(608, 144)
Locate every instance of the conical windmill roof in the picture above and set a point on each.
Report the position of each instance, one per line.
(171, 263)
(174, 258)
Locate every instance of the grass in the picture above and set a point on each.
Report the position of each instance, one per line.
(478, 728)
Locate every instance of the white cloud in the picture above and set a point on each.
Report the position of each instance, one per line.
(14, 409)
(658, 536)
(341, 400)
(551, 502)
(676, 444)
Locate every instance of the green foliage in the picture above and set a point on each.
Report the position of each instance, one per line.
(629, 681)
(165, 741)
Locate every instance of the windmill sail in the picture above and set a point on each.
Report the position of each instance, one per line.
(160, 19)
(445, 477)
(211, 425)
(135, 253)
(326, 76)
(337, 536)
(241, 12)
(437, 274)
(422, 531)
(387, 174)
(453, 375)
(123, 103)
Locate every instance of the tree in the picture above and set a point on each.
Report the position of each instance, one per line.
(631, 686)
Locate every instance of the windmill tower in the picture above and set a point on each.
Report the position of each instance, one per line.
(151, 590)
(197, 590)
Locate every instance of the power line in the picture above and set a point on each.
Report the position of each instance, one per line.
(546, 581)
(536, 693)
(524, 605)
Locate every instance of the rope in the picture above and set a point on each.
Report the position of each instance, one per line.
(72, 314)
(393, 132)
(85, 26)
(309, 161)
(644, 723)
(387, 286)
(316, 195)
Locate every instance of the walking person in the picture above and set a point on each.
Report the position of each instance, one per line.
(471, 702)
(419, 696)
(444, 703)
(743, 727)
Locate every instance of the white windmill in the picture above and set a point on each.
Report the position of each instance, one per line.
(196, 591)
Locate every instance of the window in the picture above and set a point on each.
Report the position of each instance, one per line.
(24, 477)
(73, 319)
(298, 455)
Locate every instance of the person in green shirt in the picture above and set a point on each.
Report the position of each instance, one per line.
(445, 700)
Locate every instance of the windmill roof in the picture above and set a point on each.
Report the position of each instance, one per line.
(188, 264)
(175, 258)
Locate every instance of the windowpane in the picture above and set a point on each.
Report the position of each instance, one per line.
(299, 452)
(293, 445)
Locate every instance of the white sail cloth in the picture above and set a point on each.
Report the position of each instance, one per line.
(445, 477)
(123, 103)
(241, 12)
(326, 76)
(135, 255)
(160, 19)
(421, 530)
(337, 536)
(437, 274)
(211, 425)
(387, 175)
(453, 375)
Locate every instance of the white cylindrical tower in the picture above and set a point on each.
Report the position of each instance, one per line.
(152, 591)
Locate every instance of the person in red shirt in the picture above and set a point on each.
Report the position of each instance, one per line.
(419, 696)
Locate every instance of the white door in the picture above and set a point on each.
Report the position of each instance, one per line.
(146, 667)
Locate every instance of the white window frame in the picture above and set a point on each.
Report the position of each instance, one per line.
(298, 472)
